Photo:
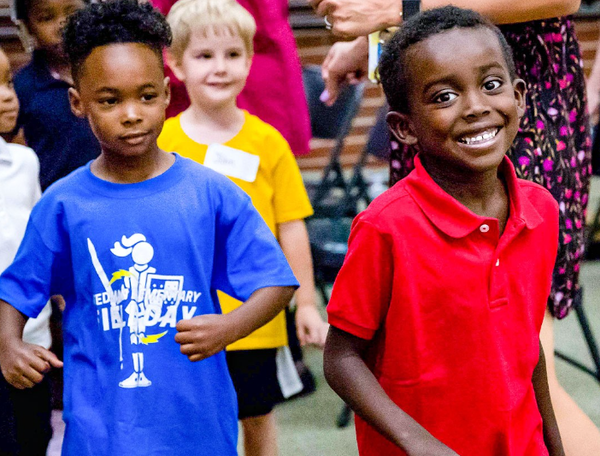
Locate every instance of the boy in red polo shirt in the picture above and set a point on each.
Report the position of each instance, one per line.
(436, 313)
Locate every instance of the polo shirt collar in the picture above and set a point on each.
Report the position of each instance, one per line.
(455, 219)
(5, 155)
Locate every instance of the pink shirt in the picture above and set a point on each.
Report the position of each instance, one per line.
(274, 90)
(454, 310)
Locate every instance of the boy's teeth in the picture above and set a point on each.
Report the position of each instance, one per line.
(485, 136)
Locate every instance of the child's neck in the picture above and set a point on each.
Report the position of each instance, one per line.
(485, 193)
(120, 169)
(212, 125)
(58, 66)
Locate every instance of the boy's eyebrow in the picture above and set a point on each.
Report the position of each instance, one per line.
(450, 79)
(113, 90)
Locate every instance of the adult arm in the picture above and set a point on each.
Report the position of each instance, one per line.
(293, 238)
(349, 376)
(23, 365)
(542, 395)
(351, 18)
(205, 335)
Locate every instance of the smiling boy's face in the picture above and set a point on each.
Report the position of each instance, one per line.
(122, 91)
(214, 67)
(464, 110)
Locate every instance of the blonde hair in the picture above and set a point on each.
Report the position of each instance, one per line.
(189, 16)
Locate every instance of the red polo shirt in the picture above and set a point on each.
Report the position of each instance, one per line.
(454, 311)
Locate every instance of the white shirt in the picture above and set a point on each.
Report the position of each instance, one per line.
(19, 191)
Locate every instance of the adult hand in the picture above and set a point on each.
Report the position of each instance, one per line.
(351, 18)
(203, 336)
(311, 328)
(24, 365)
(346, 62)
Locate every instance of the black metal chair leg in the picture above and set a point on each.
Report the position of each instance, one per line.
(589, 339)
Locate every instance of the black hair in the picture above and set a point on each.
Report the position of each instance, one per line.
(392, 64)
(118, 21)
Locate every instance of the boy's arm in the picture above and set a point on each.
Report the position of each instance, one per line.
(205, 335)
(542, 395)
(23, 365)
(349, 376)
(293, 238)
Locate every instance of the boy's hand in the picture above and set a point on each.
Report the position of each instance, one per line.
(310, 326)
(24, 365)
(203, 336)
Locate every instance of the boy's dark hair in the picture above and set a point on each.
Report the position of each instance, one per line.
(392, 64)
(111, 22)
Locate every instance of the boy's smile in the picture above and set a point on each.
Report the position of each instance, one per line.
(214, 67)
(464, 110)
(123, 93)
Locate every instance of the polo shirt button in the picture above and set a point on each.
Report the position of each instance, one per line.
(484, 228)
(498, 262)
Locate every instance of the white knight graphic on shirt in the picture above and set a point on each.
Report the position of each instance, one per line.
(146, 303)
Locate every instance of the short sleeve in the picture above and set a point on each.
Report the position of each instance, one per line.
(247, 255)
(27, 283)
(290, 200)
(362, 291)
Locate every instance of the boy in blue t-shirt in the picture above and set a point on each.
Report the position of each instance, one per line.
(138, 242)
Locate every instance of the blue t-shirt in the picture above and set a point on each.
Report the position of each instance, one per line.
(62, 141)
(131, 260)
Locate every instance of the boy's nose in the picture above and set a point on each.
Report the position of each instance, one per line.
(131, 114)
(7, 95)
(476, 105)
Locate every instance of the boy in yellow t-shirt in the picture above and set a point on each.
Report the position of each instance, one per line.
(211, 53)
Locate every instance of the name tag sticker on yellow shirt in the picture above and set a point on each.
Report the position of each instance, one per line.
(232, 162)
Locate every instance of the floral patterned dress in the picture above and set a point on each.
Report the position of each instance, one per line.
(553, 146)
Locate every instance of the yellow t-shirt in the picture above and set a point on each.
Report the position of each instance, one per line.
(277, 193)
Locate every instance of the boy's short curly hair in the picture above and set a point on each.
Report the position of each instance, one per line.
(118, 21)
(190, 16)
(392, 64)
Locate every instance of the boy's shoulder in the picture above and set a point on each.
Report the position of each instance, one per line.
(266, 137)
(539, 196)
(391, 207)
(23, 156)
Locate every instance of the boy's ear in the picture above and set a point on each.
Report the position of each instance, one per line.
(399, 125)
(520, 89)
(167, 83)
(75, 101)
(173, 63)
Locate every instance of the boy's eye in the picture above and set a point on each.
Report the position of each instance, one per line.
(108, 101)
(234, 54)
(444, 97)
(149, 96)
(492, 85)
(45, 17)
(204, 55)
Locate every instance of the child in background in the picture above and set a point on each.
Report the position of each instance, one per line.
(62, 141)
(137, 242)
(437, 310)
(24, 415)
(212, 54)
